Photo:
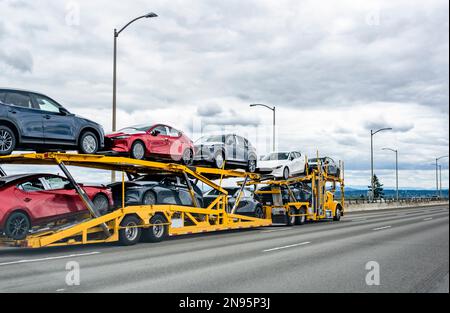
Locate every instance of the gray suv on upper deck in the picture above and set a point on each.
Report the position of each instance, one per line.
(33, 121)
(230, 148)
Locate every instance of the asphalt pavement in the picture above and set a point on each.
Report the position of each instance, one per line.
(404, 250)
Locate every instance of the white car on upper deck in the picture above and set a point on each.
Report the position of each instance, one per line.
(283, 164)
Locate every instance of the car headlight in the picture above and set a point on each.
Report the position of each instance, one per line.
(122, 137)
(278, 167)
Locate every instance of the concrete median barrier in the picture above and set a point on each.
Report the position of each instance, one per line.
(360, 207)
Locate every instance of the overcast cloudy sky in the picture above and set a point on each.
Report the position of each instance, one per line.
(334, 69)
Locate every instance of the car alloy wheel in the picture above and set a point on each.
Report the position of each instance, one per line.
(138, 151)
(17, 226)
(219, 160)
(89, 144)
(101, 203)
(149, 198)
(6, 141)
(259, 212)
(286, 173)
(252, 166)
(188, 157)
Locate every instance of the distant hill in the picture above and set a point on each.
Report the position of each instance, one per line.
(352, 193)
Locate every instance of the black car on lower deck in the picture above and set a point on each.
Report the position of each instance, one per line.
(247, 206)
(156, 189)
(301, 191)
(33, 121)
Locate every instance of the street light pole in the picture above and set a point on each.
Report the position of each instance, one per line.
(396, 171)
(114, 104)
(437, 173)
(372, 133)
(116, 35)
(440, 181)
(274, 119)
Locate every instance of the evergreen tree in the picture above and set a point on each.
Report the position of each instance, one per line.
(379, 190)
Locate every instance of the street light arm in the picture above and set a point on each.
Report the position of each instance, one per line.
(389, 149)
(380, 130)
(442, 157)
(131, 22)
(263, 105)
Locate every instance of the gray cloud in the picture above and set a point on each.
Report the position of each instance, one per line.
(20, 60)
(401, 127)
(209, 110)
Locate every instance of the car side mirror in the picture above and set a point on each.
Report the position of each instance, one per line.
(155, 133)
(63, 111)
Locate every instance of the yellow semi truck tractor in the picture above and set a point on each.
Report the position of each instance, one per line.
(283, 203)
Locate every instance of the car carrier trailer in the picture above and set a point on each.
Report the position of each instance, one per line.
(153, 223)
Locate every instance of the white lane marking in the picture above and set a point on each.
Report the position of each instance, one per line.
(49, 258)
(381, 228)
(358, 219)
(275, 230)
(60, 290)
(428, 219)
(286, 247)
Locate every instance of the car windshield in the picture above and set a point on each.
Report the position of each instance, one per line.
(211, 139)
(276, 156)
(142, 128)
(215, 192)
(150, 178)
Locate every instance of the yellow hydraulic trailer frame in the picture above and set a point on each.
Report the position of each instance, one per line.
(322, 203)
(103, 229)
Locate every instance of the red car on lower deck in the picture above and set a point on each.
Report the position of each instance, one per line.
(30, 200)
(155, 141)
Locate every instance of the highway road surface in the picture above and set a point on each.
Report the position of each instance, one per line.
(410, 248)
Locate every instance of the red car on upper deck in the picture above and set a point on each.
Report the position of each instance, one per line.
(157, 141)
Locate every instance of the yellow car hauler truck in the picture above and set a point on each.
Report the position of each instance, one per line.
(283, 205)
(153, 223)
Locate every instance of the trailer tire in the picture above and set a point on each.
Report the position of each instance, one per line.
(291, 220)
(300, 220)
(130, 236)
(158, 231)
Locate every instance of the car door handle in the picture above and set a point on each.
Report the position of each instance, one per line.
(27, 200)
(13, 111)
(47, 117)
